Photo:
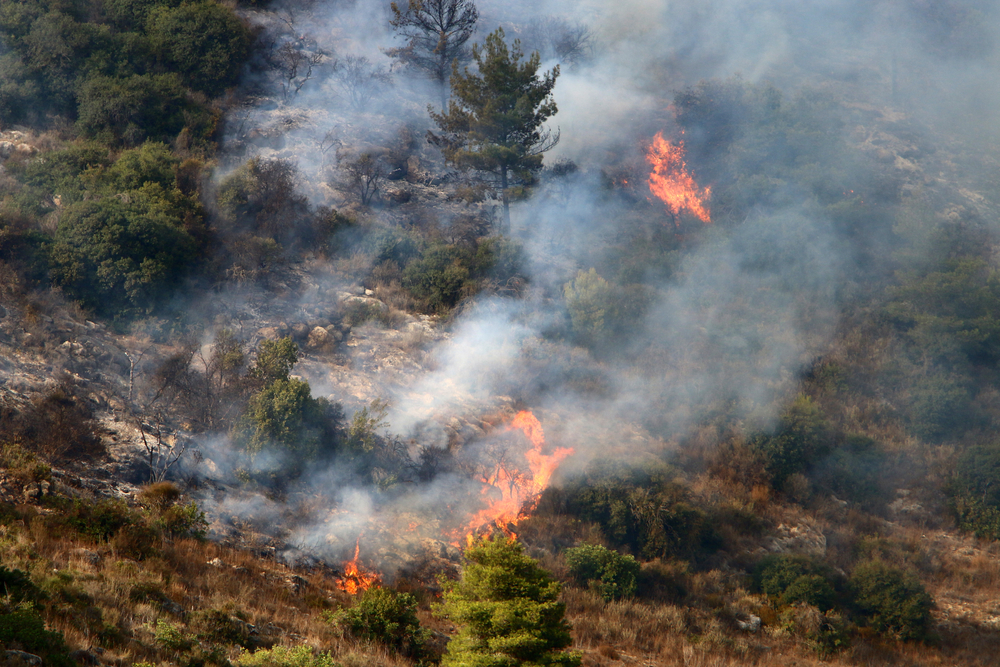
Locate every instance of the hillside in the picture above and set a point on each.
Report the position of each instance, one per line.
(700, 307)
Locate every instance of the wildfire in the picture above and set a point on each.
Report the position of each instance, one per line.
(671, 182)
(355, 578)
(515, 489)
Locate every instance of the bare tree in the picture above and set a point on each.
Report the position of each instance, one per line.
(297, 62)
(361, 80)
(364, 176)
(436, 32)
(556, 38)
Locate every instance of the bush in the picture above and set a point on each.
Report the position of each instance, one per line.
(279, 656)
(793, 579)
(975, 491)
(438, 277)
(390, 618)
(891, 600)
(171, 637)
(613, 575)
(17, 586)
(23, 625)
(802, 438)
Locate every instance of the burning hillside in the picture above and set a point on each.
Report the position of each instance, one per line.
(671, 182)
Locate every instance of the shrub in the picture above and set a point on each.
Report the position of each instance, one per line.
(218, 627)
(792, 579)
(613, 575)
(388, 617)
(893, 601)
(438, 277)
(279, 656)
(975, 491)
(590, 300)
(803, 437)
(171, 637)
(23, 626)
(17, 586)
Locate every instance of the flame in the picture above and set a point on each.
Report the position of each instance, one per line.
(516, 490)
(671, 182)
(355, 578)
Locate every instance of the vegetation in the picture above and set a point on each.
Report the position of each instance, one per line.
(508, 611)
(387, 617)
(612, 574)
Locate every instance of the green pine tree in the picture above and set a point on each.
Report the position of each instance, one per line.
(508, 609)
(494, 120)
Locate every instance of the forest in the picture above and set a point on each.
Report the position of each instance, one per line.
(482, 332)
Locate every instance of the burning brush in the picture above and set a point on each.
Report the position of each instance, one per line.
(356, 579)
(671, 182)
(510, 496)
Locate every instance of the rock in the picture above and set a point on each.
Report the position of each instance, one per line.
(334, 333)
(3, 312)
(6, 148)
(300, 331)
(25, 149)
(82, 657)
(44, 486)
(32, 493)
(12, 657)
(296, 583)
(215, 562)
(752, 625)
(802, 539)
(172, 607)
(320, 340)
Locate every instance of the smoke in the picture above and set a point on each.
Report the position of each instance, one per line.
(743, 309)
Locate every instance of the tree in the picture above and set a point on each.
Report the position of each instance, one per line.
(508, 609)
(437, 31)
(494, 120)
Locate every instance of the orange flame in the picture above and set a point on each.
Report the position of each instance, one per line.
(516, 490)
(671, 182)
(355, 578)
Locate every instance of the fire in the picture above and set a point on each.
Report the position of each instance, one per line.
(517, 490)
(355, 578)
(671, 182)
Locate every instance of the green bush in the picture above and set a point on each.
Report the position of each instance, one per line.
(387, 617)
(614, 575)
(284, 417)
(438, 278)
(17, 586)
(792, 579)
(803, 437)
(207, 43)
(975, 491)
(23, 625)
(891, 600)
(507, 610)
(279, 656)
(218, 627)
(171, 637)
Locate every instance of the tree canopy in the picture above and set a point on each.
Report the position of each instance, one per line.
(494, 122)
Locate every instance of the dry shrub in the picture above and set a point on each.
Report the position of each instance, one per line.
(627, 624)
(58, 426)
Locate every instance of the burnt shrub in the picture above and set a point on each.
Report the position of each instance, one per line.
(57, 426)
(611, 574)
(891, 600)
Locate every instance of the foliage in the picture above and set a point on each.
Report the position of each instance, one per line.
(260, 197)
(793, 579)
(17, 586)
(803, 436)
(280, 656)
(893, 601)
(640, 507)
(508, 611)
(284, 416)
(57, 426)
(435, 32)
(203, 41)
(171, 637)
(388, 617)
(494, 120)
(275, 360)
(438, 277)
(24, 626)
(975, 491)
(614, 575)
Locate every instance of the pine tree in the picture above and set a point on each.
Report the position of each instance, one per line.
(508, 609)
(494, 120)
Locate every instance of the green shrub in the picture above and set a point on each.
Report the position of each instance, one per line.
(792, 579)
(218, 627)
(803, 437)
(284, 417)
(613, 575)
(23, 625)
(388, 617)
(279, 656)
(975, 491)
(891, 600)
(438, 277)
(590, 301)
(18, 587)
(183, 521)
(171, 637)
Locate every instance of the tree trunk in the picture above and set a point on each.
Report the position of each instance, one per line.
(503, 196)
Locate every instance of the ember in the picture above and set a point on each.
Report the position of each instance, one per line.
(671, 182)
(516, 490)
(356, 579)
